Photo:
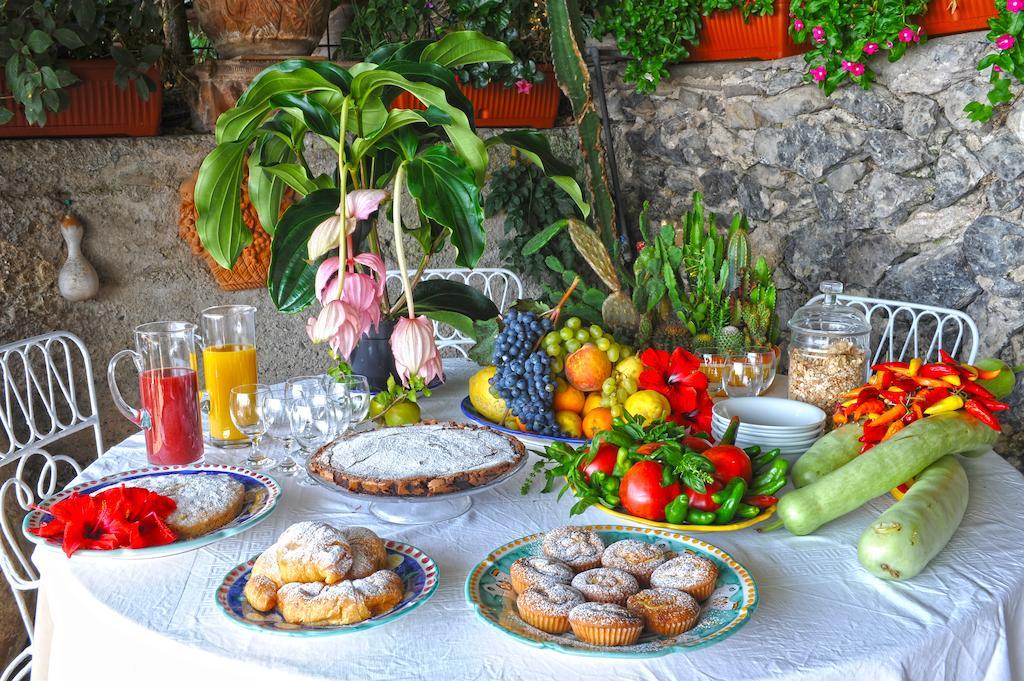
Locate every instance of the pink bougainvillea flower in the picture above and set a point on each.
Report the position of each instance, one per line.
(523, 87)
(819, 34)
(798, 25)
(338, 325)
(416, 354)
(360, 204)
(871, 48)
(819, 74)
(1014, 6)
(855, 68)
(906, 35)
(1005, 41)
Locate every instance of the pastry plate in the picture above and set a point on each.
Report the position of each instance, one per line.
(532, 441)
(417, 570)
(261, 495)
(489, 591)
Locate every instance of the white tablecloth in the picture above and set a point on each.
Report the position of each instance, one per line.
(820, 616)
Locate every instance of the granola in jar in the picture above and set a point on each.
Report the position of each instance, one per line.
(820, 376)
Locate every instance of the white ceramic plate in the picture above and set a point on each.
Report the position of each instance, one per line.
(774, 412)
(718, 429)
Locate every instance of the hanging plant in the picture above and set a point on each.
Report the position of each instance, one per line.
(845, 36)
(1007, 63)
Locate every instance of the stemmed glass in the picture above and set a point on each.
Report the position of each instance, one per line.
(246, 405)
(280, 426)
(313, 421)
(356, 390)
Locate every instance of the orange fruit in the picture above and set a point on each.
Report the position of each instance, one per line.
(596, 420)
(568, 398)
(593, 402)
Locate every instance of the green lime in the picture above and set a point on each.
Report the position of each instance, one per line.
(402, 414)
(377, 405)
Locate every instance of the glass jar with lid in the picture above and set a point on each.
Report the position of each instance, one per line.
(828, 349)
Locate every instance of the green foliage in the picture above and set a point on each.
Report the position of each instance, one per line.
(585, 302)
(655, 33)
(36, 37)
(379, 22)
(1007, 64)
(852, 32)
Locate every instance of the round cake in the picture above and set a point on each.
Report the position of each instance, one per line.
(425, 459)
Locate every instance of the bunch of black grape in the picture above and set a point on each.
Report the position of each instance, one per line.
(524, 378)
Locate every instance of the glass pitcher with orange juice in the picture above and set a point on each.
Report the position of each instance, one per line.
(229, 359)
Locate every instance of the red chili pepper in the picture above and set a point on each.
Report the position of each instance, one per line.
(868, 393)
(884, 380)
(927, 398)
(988, 375)
(873, 433)
(974, 389)
(914, 414)
(893, 428)
(931, 382)
(978, 411)
(993, 405)
(936, 370)
(891, 366)
(872, 406)
(946, 357)
(906, 384)
(761, 500)
(895, 397)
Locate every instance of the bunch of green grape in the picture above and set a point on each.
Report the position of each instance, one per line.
(615, 390)
(562, 342)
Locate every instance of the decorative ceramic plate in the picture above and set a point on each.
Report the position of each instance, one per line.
(417, 570)
(489, 591)
(739, 525)
(532, 441)
(261, 495)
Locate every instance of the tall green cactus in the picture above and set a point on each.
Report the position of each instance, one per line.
(565, 27)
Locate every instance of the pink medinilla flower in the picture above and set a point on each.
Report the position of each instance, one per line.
(819, 34)
(819, 74)
(326, 285)
(523, 87)
(871, 48)
(338, 325)
(360, 204)
(798, 25)
(906, 35)
(416, 354)
(1005, 41)
(1014, 6)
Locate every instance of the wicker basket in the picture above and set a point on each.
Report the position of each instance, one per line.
(250, 270)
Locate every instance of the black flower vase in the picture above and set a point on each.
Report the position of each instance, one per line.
(372, 356)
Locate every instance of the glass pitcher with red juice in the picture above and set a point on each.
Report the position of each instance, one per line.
(164, 356)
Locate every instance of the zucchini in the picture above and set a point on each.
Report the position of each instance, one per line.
(901, 542)
(833, 451)
(883, 467)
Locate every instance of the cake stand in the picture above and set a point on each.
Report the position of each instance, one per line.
(414, 510)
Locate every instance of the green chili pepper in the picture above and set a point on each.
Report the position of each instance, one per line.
(753, 450)
(612, 500)
(747, 511)
(735, 490)
(760, 463)
(770, 488)
(775, 472)
(621, 469)
(610, 485)
(597, 478)
(622, 457)
(675, 510)
(695, 517)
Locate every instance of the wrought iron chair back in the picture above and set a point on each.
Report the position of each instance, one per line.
(502, 286)
(48, 394)
(902, 330)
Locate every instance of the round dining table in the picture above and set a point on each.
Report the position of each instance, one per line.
(820, 616)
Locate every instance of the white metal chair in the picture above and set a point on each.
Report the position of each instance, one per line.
(43, 401)
(502, 286)
(902, 330)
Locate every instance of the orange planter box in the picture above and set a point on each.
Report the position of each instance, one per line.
(724, 36)
(96, 107)
(970, 15)
(497, 106)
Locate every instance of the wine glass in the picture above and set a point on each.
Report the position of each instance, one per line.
(312, 419)
(275, 410)
(770, 362)
(356, 391)
(712, 365)
(298, 386)
(245, 404)
(744, 374)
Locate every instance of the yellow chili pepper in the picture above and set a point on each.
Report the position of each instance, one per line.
(951, 379)
(951, 403)
(850, 403)
(915, 366)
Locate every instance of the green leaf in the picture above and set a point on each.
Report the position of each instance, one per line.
(541, 238)
(292, 278)
(456, 320)
(5, 115)
(460, 48)
(68, 38)
(396, 119)
(220, 225)
(445, 191)
(50, 77)
(434, 295)
(535, 147)
(293, 175)
(316, 117)
(38, 41)
(66, 78)
(267, 189)
(485, 331)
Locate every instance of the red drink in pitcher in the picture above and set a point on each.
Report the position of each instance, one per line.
(175, 435)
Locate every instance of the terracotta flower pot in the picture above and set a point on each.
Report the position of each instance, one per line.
(96, 107)
(240, 28)
(497, 106)
(724, 36)
(970, 15)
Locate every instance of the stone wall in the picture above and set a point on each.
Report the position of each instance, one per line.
(892, 191)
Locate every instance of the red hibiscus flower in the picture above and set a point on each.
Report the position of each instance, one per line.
(677, 376)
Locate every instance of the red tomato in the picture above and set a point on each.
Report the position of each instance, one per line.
(704, 502)
(603, 461)
(641, 491)
(730, 462)
(697, 444)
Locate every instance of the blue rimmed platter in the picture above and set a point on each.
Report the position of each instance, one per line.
(416, 569)
(261, 496)
(532, 441)
(489, 592)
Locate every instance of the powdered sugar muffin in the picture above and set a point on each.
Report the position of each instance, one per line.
(638, 558)
(530, 570)
(668, 612)
(696, 575)
(605, 624)
(577, 547)
(546, 605)
(606, 585)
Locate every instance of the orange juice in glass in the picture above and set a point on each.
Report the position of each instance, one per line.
(229, 360)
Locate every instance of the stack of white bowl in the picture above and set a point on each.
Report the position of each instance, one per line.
(770, 422)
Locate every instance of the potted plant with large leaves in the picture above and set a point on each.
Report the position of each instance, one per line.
(322, 250)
